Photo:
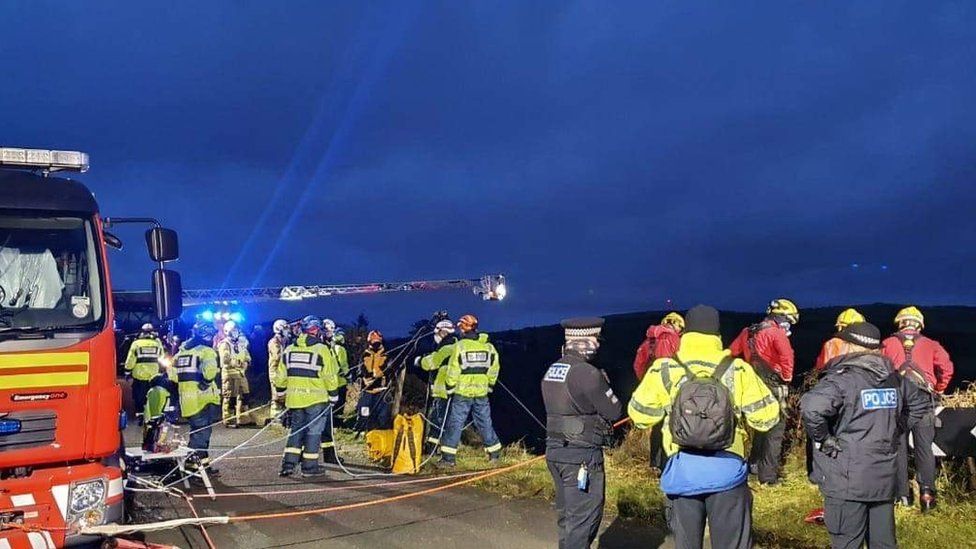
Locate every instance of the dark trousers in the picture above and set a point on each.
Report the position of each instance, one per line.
(201, 426)
(305, 438)
(658, 456)
(437, 417)
(923, 434)
(852, 523)
(579, 511)
(373, 412)
(139, 391)
(729, 516)
(339, 405)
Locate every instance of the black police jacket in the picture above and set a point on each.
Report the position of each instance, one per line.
(580, 409)
(862, 403)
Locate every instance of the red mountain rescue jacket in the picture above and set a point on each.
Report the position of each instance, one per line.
(660, 342)
(927, 355)
(772, 345)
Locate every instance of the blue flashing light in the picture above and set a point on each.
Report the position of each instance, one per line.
(9, 426)
(123, 420)
(207, 316)
(237, 317)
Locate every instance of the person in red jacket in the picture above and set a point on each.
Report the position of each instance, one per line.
(661, 341)
(925, 362)
(766, 346)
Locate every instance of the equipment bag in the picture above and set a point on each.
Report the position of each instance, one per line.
(702, 416)
(379, 444)
(909, 369)
(408, 445)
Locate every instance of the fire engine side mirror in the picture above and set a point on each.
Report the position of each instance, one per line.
(167, 290)
(163, 244)
(112, 240)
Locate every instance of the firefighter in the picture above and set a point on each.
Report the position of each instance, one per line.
(436, 362)
(309, 375)
(580, 411)
(660, 341)
(334, 337)
(926, 363)
(234, 362)
(766, 346)
(276, 348)
(710, 484)
(373, 409)
(196, 370)
(471, 375)
(142, 364)
(854, 415)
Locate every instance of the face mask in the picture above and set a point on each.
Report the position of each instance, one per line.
(375, 346)
(788, 327)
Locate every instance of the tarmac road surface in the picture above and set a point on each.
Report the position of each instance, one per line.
(457, 517)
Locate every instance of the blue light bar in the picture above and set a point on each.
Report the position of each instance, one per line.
(236, 317)
(9, 426)
(207, 316)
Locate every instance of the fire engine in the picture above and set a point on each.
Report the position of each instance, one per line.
(60, 403)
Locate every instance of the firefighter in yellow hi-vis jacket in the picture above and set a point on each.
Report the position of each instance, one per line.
(143, 364)
(234, 362)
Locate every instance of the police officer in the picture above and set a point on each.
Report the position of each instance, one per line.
(580, 409)
(855, 416)
(471, 376)
(436, 362)
(142, 363)
(196, 370)
(309, 375)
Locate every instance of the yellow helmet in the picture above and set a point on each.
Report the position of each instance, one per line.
(848, 317)
(910, 315)
(784, 307)
(675, 320)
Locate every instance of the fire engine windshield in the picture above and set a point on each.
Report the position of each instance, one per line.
(49, 275)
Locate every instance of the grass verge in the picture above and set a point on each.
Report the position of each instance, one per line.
(778, 512)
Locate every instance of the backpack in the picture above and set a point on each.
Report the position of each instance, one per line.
(702, 415)
(759, 364)
(909, 369)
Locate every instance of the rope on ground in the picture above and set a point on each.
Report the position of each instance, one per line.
(263, 493)
(203, 529)
(119, 529)
(224, 420)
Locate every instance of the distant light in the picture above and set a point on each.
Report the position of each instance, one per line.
(884, 267)
(500, 292)
(236, 316)
(207, 316)
(855, 265)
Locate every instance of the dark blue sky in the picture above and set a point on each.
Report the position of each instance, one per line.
(606, 156)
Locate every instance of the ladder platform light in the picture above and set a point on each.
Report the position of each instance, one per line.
(44, 159)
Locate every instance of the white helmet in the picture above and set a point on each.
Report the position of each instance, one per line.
(280, 327)
(230, 329)
(329, 326)
(443, 329)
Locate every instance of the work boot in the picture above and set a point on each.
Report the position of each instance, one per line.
(494, 457)
(926, 499)
(430, 448)
(286, 471)
(329, 455)
(317, 472)
(445, 464)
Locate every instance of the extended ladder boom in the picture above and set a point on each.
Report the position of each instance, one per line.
(489, 287)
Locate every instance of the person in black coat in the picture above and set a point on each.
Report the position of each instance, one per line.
(580, 411)
(855, 416)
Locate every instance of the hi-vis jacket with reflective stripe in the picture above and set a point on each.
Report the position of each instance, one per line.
(309, 373)
(342, 357)
(652, 400)
(276, 353)
(437, 362)
(143, 358)
(473, 368)
(196, 372)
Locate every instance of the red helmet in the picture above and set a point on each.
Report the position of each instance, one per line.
(467, 323)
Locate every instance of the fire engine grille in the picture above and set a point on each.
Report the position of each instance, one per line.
(37, 429)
